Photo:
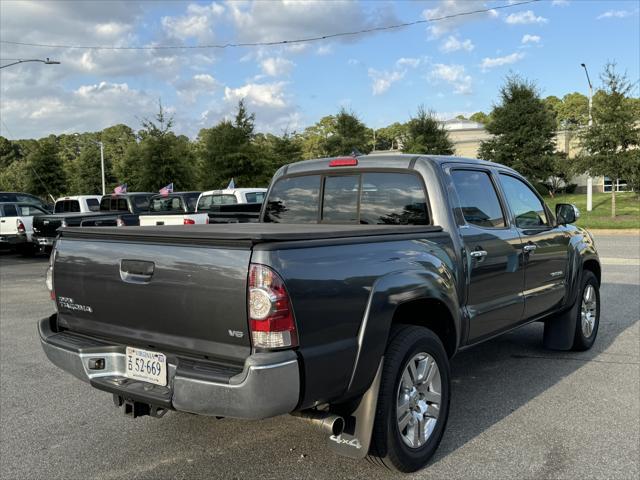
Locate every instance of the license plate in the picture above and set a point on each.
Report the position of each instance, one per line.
(146, 366)
(45, 241)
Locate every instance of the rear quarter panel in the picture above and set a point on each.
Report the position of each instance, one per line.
(330, 297)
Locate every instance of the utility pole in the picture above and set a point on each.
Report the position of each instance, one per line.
(589, 179)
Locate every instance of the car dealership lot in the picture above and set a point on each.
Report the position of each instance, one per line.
(517, 410)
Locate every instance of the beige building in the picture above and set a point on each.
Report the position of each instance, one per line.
(466, 136)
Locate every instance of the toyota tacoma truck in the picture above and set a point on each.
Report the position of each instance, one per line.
(343, 306)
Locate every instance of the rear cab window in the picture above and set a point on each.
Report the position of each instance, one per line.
(165, 204)
(208, 201)
(67, 206)
(254, 197)
(367, 198)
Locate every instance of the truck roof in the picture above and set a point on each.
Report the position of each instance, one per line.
(384, 160)
(78, 197)
(231, 191)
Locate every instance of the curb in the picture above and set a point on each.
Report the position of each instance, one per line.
(613, 231)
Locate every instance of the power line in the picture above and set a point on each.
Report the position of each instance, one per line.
(277, 42)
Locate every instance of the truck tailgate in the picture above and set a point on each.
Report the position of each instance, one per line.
(172, 298)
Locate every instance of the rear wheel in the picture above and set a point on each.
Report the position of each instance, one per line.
(413, 403)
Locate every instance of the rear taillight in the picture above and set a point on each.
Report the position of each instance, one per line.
(206, 220)
(20, 226)
(271, 319)
(48, 276)
(189, 221)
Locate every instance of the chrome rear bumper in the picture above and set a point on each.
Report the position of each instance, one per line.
(268, 385)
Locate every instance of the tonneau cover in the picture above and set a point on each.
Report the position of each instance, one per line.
(252, 233)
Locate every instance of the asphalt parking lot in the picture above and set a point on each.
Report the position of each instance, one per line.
(518, 411)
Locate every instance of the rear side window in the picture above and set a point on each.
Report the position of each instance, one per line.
(105, 204)
(9, 211)
(479, 204)
(392, 199)
(294, 200)
(121, 205)
(93, 204)
(254, 197)
(30, 210)
(8, 197)
(525, 204)
(192, 201)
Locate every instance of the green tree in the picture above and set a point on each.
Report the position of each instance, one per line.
(116, 140)
(480, 117)
(425, 134)
(391, 136)
(87, 172)
(228, 151)
(523, 129)
(348, 134)
(610, 145)
(9, 152)
(315, 136)
(46, 170)
(159, 158)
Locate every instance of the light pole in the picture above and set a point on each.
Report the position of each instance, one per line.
(102, 166)
(589, 179)
(46, 62)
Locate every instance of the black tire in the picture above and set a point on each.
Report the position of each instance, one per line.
(581, 341)
(387, 446)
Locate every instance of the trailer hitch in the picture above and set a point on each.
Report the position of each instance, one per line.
(136, 409)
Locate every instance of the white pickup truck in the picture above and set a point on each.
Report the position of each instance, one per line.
(77, 204)
(16, 225)
(177, 208)
(195, 208)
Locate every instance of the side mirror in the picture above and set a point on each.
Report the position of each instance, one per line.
(567, 213)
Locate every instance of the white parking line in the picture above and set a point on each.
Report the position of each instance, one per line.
(632, 262)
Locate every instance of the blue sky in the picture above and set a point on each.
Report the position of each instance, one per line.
(454, 66)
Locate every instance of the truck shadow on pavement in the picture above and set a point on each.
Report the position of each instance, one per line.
(490, 382)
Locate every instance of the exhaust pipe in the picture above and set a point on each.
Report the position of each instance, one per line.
(333, 424)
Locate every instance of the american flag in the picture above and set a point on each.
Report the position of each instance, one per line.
(231, 185)
(120, 189)
(164, 191)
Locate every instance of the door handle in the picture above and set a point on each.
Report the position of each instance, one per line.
(529, 247)
(136, 271)
(478, 254)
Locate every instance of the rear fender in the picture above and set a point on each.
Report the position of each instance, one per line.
(434, 282)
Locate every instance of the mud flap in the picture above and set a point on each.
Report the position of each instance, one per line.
(559, 332)
(355, 440)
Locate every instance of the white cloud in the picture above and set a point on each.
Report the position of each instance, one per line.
(324, 49)
(453, 7)
(198, 22)
(408, 62)
(382, 80)
(258, 94)
(201, 84)
(293, 19)
(489, 63)
(615, 14)
(276, 66)
(524, 18)
(526, 38)
(454, 75)
(452, 44)
(559, 3)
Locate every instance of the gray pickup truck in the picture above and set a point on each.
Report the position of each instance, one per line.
(342, 306)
